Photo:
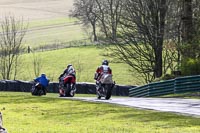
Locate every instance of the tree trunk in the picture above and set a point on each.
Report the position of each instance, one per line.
(94, 32)
(187, 21)
(159, 39)
(158, 62)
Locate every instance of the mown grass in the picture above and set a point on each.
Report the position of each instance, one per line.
(85, 59)
(52, 31)
(193, 95)
(50, 22)
(23, 113)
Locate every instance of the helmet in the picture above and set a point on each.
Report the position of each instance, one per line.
(69, 65)
(105, 62)
(43, 75)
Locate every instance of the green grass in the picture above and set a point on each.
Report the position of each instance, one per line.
(52, 31)
(23, 113)
(85, 59)
(193, 95)
(50, 22)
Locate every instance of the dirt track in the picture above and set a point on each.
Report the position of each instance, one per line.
(35, 9)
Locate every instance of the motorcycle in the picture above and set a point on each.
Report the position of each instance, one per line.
(104, 86)
(38, 90)
(67, 86)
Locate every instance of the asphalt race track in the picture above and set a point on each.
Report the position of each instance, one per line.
(189, 107)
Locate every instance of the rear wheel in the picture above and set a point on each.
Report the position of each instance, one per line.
(108, 91)
(67, 90)
(40, 92)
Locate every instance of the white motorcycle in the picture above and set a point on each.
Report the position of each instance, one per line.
(104, 86)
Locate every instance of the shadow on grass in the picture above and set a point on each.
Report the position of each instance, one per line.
(20, 97)
(151, 116)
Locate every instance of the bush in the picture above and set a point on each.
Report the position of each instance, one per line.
(165, 77)
(190, 66)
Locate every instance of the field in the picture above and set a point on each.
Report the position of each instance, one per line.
(47, 20)
(49, 24)
(85, 59)
(23, 113)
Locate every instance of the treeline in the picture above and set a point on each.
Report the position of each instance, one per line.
(157, 38)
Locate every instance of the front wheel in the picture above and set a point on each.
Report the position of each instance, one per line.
(33, 90)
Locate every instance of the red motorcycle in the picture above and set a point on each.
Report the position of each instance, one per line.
(67, 86)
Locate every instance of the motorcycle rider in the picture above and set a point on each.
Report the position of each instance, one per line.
(68, 71)
(43, 81)
(103, 69)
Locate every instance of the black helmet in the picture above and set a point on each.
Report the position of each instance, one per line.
(43, 75)
(69, 65)
(105, 62)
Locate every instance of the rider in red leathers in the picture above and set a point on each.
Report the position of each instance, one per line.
(69, 71)
(103, 69)
(68, 77)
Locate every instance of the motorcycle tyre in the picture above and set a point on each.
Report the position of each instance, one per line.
(67, 90)
(72, 93)
(34, 92)
(40, 92)
(108, 91)
(61, 92)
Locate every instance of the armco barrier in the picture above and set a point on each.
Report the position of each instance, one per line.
(187, 84)
(82, 87)
(174, 86)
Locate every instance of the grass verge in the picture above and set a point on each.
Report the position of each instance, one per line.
(193, 95)
(23, 113)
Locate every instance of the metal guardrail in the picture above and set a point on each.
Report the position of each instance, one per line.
(173, 86)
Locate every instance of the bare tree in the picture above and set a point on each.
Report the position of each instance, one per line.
(85, 11)
(109, 15)
(79, 67)
(37, 64)
(12, 34)
(142, 36)
(102, 13)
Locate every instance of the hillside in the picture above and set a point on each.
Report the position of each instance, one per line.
(85, 60)
(47, 20)
(49, 24)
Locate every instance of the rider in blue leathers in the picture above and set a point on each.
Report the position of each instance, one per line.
(43, 81)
